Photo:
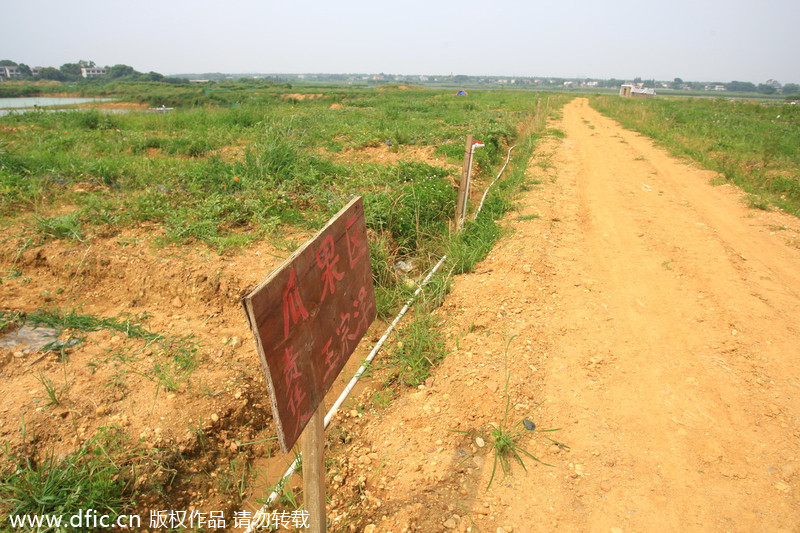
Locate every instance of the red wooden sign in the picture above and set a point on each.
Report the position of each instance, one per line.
(309, 315)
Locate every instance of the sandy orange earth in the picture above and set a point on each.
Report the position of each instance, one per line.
(654, 317)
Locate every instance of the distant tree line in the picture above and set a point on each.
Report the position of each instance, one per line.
(763, 88)
(71, 72)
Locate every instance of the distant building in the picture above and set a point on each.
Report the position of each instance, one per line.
(634, 91)
(6, 73)
(92, 72)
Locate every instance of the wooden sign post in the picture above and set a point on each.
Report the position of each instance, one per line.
(314, 470)
(463, 186)
(307, 317)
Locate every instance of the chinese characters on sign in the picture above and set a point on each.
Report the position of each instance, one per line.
(309, 315)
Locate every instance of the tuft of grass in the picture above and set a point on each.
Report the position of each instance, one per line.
(175, 358)
(200, 434)
(421, 346)
(60, 227)
(414, 210)
(383, 398)
(506, 441)
(53, 393)
(506, 447)
(175, 361)
(472, 244)
(755, 201)
(10, 320)
(235, 480)
(96, 476)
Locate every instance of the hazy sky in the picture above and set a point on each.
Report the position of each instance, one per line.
(700, 40)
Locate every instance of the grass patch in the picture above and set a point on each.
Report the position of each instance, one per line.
(61, 227)
(99, 475)
(73, 320)
(420, 346)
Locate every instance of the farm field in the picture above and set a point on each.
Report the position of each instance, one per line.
(643, 314)
(134, 236)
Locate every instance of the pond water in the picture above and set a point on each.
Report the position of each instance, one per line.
(8, 105)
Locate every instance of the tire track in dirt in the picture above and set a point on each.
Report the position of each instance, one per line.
(655, 316)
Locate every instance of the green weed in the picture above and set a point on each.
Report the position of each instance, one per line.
(175, 360)
(466, 248)
(53, 393)
(506, 441)
(236, 478)
(200, 434)
(414, 211)
(10, 320)
(175, 357)
(383, 398)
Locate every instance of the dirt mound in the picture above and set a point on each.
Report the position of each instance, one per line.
(389, 155)
(302, 96)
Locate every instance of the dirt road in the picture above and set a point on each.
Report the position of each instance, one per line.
(657, 321)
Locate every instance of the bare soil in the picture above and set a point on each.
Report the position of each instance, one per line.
(183, 436)
(648, 315)
(302, 96)
(388, 155)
